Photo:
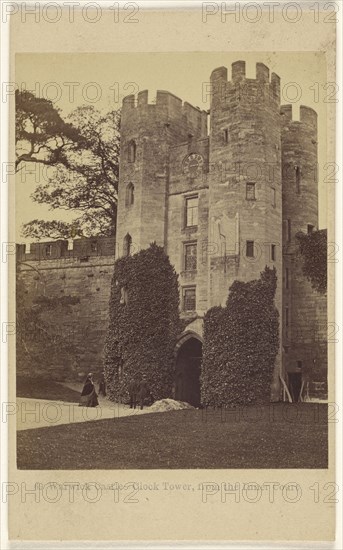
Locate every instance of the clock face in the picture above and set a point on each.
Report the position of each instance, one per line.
(193, 165)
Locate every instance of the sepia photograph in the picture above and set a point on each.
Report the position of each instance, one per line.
(171, 251)
(171, 262)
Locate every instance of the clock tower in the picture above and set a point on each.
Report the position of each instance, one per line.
(222, 204)
(149, 133)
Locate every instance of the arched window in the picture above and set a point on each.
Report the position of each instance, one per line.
(132, 151)
(130, 194)
(127, 245)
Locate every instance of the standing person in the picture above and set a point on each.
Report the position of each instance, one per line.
(133, 391)
(143, 391)
(102, 385)
(89, 397)
(151, 399)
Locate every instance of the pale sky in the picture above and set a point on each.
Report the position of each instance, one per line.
(69, 79)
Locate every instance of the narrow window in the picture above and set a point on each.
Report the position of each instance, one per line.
(123, 295)
(310, 228)
(226, 135)
(287, 316)
(191, 211)
(250, 249)
(130, 194)
(289, 227)
(273, 252)
(190, 256)
(297, 178)
(299, 365)
(250, 191)
(132, 151)
(287, 278)
(94, 246)
(273, 197)
(48, 250)
(127, 245)
(189, 299)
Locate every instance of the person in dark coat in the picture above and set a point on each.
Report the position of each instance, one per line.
(89, 397)
(143, 391)
(133, 388)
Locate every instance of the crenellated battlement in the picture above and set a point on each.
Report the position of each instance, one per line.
(167, 107)
(64, 249)
(238, 77)
(308, 116)
(163, 98)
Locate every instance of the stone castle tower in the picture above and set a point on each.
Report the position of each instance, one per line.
(304, 333)
(225, 204)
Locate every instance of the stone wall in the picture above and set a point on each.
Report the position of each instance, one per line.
(85, 272)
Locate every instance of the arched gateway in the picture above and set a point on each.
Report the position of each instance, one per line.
(188, 367)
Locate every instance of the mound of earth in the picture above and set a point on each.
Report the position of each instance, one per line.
(169, 405)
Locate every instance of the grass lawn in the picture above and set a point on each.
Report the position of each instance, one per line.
(45, 389)
(275, 436)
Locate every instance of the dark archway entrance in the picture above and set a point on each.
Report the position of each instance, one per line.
(188, 367)
(295, 381)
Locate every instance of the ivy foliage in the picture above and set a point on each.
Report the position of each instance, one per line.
(43, 348)
(313, 250)
(241, 342)
(144, 324)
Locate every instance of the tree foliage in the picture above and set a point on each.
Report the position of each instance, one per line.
(39, 229)
(241, 342)
(313, 250)
(82, 153)
(42, 135)
(144, 323)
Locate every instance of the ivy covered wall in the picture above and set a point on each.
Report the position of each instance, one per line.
(241, 342)
(144, 323)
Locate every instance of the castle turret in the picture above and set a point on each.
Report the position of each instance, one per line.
(245, 196)
(304, 310)
(245, 184)
(148, 130)
(299, 173)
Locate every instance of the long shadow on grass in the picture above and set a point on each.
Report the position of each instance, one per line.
(38, 388)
